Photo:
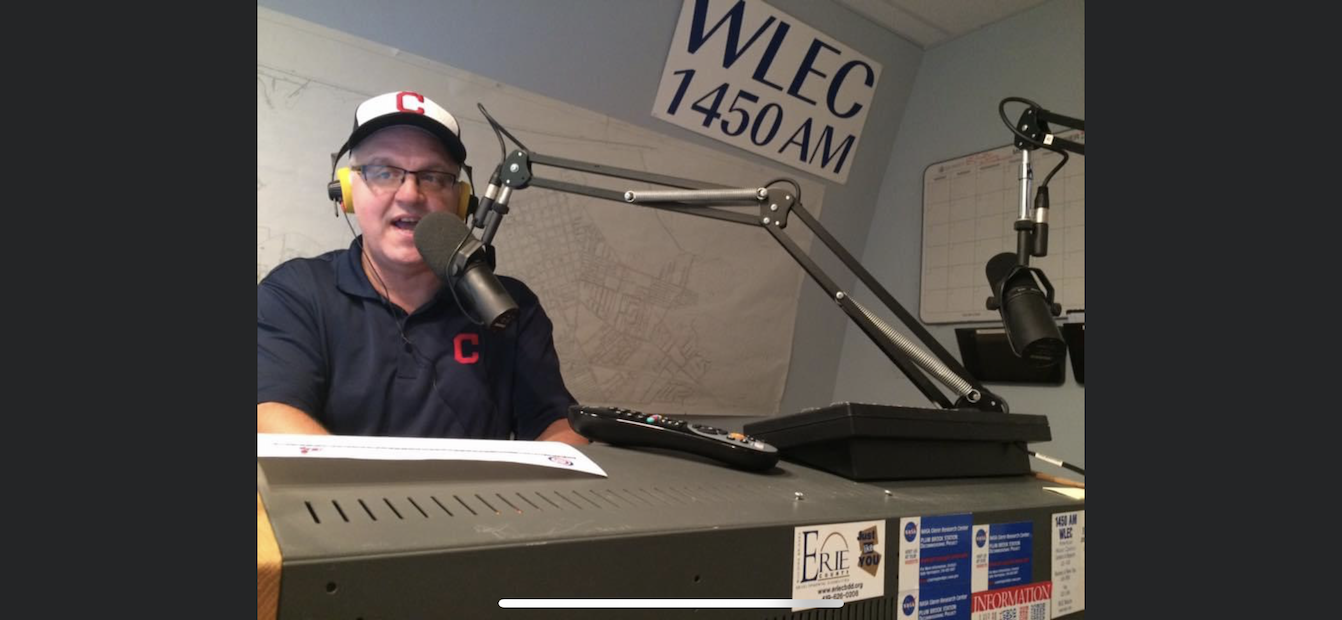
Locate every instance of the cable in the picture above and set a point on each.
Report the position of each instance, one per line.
(1052, 461)
(1001, 111)
(1056, 168)
(795, 187)
(385, 297)
(499, 129)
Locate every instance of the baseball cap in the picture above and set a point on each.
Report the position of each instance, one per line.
(406, 108)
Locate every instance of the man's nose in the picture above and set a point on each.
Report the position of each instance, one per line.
(409, 191)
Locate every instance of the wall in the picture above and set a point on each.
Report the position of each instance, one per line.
(607, 56)
(952, 111)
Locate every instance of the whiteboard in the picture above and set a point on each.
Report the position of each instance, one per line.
(969, 206)
(654, 311)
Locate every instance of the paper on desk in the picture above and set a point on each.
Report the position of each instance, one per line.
(1071, 492)
(539, 453)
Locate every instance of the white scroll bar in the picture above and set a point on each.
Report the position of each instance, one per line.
(666, 603)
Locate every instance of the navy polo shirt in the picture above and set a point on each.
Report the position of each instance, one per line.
(330, 345)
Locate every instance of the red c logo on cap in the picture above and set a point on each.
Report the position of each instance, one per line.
(400, 105)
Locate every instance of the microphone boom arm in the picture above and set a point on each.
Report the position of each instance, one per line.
(1034, 124)
(776, 205)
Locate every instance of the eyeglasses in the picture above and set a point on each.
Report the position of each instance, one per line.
(390, 178)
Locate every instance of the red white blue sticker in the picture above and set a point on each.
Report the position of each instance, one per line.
(1023, 602)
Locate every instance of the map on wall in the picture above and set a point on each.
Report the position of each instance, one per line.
(655, 311)
(969, 207)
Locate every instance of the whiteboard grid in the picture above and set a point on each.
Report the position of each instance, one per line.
(969, 206)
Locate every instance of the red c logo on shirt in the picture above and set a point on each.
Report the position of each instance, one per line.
(461, 355)
(400, 103)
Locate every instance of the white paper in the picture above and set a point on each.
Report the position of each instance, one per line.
(1071, 492)
(538, 453)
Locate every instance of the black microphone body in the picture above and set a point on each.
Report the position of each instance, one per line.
(1026, 312)
(460, 260)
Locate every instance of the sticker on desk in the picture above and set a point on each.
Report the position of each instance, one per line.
(947, 603)
(1003, 555)
(934, 567)
(908, 556)
(1069, 562)
(843, 561)
(1023, 602)
(943, 551)
(907, 579)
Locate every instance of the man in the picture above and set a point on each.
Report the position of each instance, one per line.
(368, 341)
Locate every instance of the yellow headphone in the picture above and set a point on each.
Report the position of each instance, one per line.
(339, 190)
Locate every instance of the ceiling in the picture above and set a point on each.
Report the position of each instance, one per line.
(929, 23)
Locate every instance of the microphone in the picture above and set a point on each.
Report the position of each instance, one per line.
(1027, 314)
(460, 260)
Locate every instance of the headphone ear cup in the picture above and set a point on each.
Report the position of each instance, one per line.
(466, 202)
(346, 193)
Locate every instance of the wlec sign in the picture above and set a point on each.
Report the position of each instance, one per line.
(745, 73)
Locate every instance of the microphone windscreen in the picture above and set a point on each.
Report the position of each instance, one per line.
(998, 268)
(437, 236)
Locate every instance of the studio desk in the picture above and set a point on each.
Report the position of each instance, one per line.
(374, 540)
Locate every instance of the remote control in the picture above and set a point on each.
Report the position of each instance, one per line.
(618, 426)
